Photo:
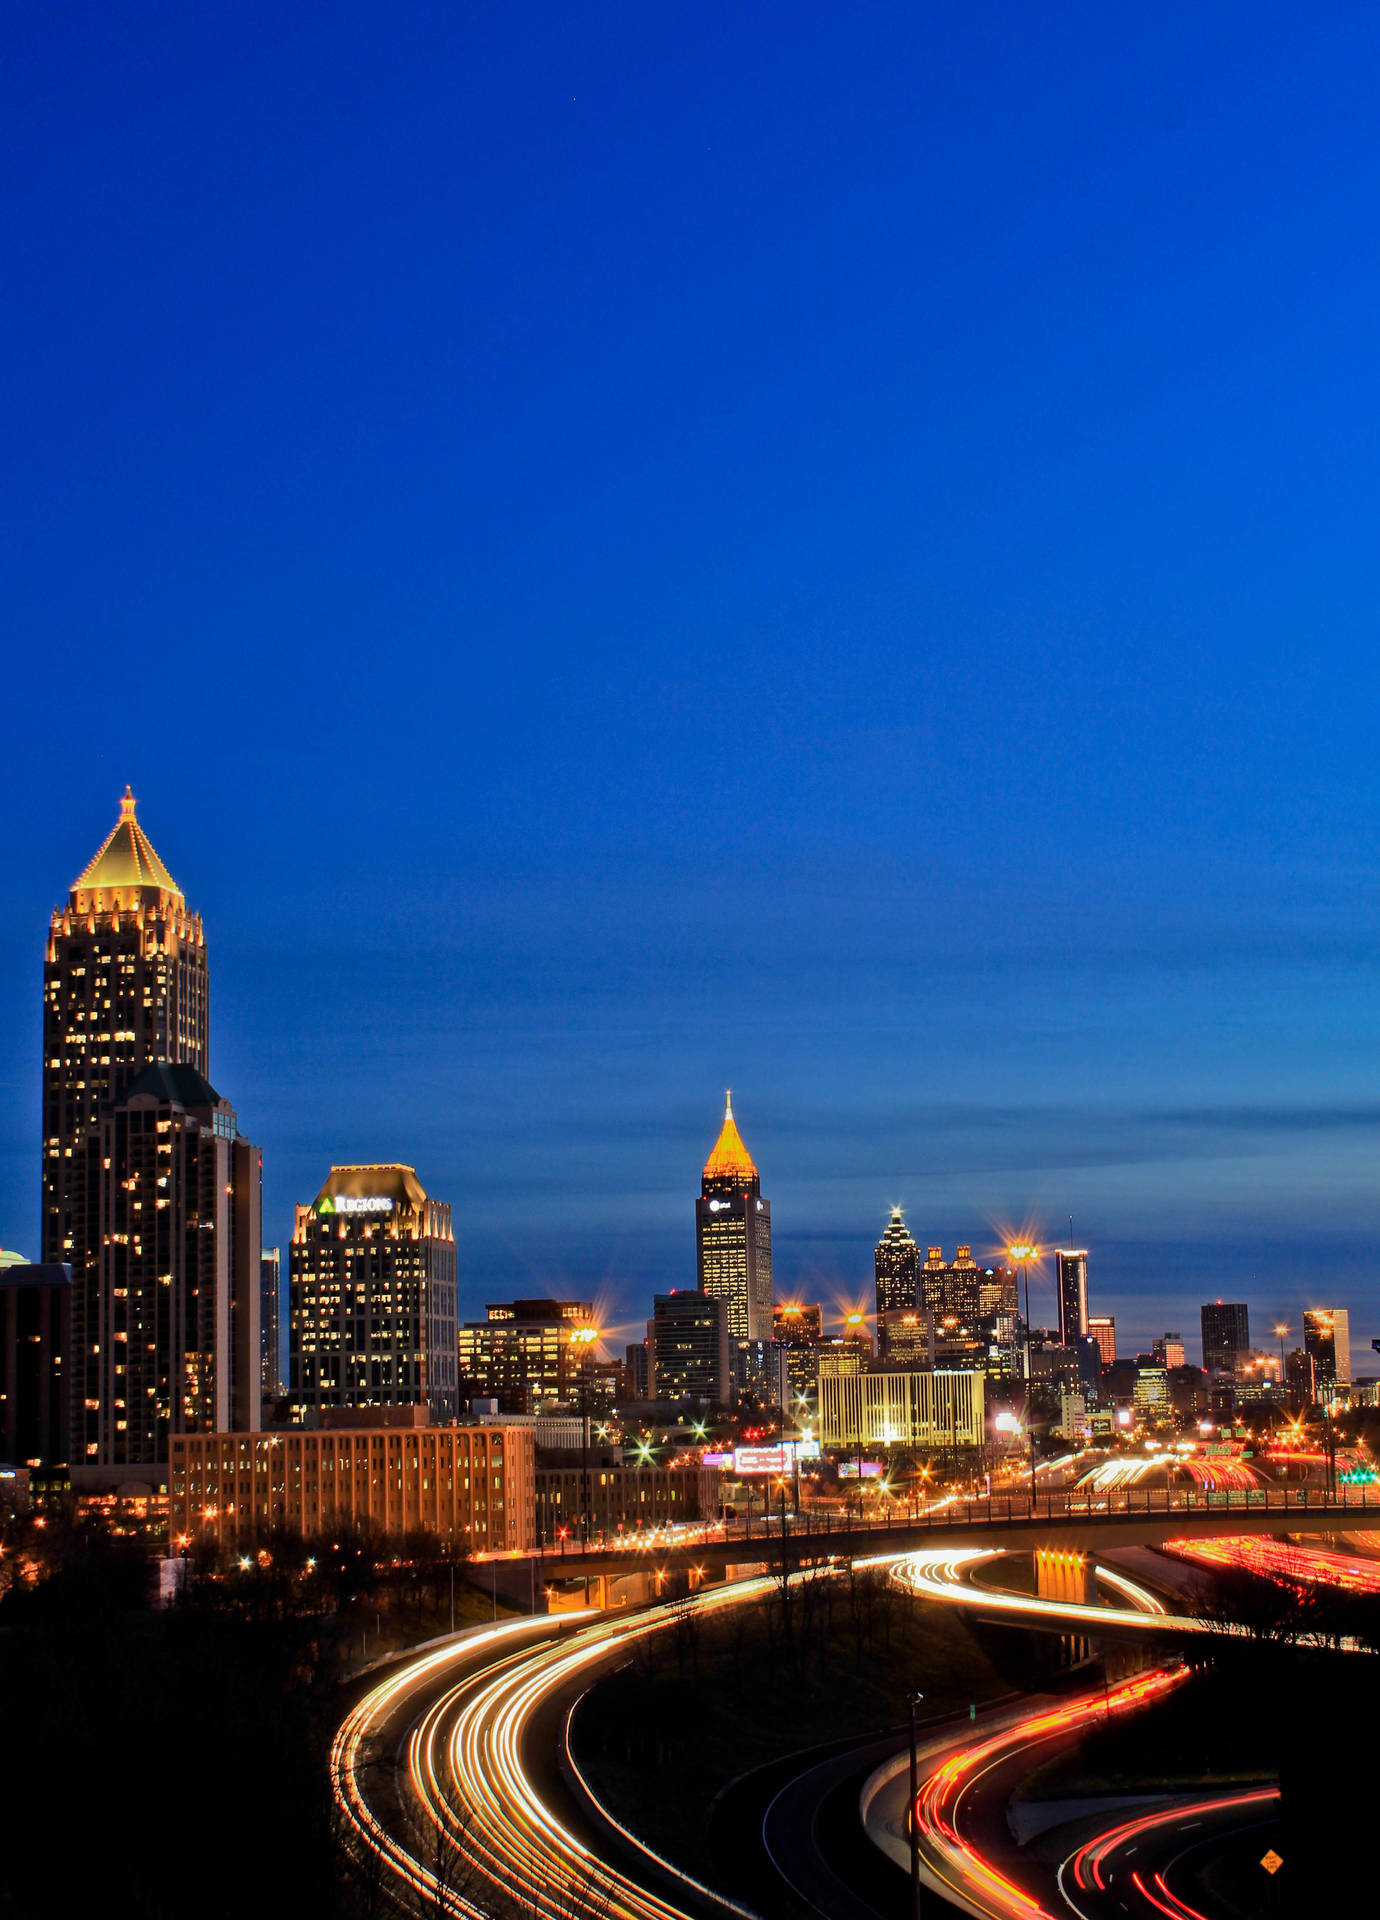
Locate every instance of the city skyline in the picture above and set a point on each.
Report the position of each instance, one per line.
(812, 1273)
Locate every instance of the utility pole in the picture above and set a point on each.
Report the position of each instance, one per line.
(915, 1700)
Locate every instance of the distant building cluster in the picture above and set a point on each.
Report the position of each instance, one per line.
(154, 1349)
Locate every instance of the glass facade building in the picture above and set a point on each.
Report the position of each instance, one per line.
(372, 1296)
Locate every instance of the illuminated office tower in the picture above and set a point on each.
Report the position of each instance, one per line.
(124, 984)
(165, 1327)
(690, 1351)
(733, 1235)
(1071, 1280)
(527, 1353)
(1327, 1342)
(1226, 1336)
(896, 1264)
(1102, 1328)
(951, 1290)
(371, 1318)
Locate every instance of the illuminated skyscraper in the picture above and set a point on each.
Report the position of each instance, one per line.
(1226, 1335)
(124, 985)
(733, 1235)
(1071, 1280)
(1102, 1328)
(166, 1199)
(371, 1318)
(950, 1290)
(150, 1193)
(689, 1347)
(1327, 1342)
(896, 1265)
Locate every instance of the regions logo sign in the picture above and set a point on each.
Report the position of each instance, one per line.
(355, 1203)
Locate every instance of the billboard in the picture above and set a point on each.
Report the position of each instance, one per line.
(861, 1469)
(750, 1460)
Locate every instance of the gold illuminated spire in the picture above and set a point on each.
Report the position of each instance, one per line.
(730, 1159)
(126, 859)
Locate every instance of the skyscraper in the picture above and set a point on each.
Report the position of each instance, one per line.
(896, 1264)
(165, 1333)
(1102, 1328)
(1071, 1280)
(689, 1347)
(371, 1317)
(1226, 1336)
(124, 984)
(35, 1364)
(150, 1193)
(270, 1323)
(527, 1353)
(1327, 1342)
(950, 1290)
(733, 1235)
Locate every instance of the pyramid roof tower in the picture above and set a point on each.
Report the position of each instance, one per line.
(730, 1163)
(126, 861)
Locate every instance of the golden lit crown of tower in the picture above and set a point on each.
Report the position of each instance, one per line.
(125, 863)
(730, 1159)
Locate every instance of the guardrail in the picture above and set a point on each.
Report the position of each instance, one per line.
(1082, 1507)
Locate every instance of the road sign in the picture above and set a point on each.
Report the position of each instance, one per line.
(1272, 1862)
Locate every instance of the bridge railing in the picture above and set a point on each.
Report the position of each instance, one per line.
(1086, 1506)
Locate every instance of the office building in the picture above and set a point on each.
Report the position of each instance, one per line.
(997, 1292)
(896, 1264)
(1300, 1381)
(165, 1198)
(371, 1318)
(35, 1364)
(1102, 1328)
(124, 985)
(270, 1323)
(733, 1235)
(601, 1501)
(1071, 1284)
(759, 1372)
(690, 1351)
(896, 1409)
(949, 1289)
(905, 1337)
(1327, 1342)
(798, 1331)
(1150, 1395)
(635, 1370)
(527, 1353)
(1226, 1336)
(1170, 1350)
(368, 1468)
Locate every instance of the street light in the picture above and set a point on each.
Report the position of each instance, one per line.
(915, 1700)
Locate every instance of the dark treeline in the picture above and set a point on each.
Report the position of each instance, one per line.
(161, 1761)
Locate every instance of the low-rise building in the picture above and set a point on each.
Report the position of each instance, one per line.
(895, 1408)
(363, 1467)
(600, 1499)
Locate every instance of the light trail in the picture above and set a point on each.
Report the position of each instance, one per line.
(945, 1574)
(944, 1805)
(464, 1765)
(1281, 1560)
(1089, 1866)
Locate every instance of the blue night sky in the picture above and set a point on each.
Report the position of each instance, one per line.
(626, 551)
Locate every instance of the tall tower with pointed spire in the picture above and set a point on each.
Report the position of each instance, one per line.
(124, 986)
(733, 1234)
(896, 1265)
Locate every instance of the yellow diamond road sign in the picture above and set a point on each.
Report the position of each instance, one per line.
(1272, 1862)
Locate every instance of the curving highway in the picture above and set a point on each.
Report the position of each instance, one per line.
(475, 1726)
